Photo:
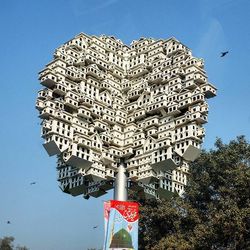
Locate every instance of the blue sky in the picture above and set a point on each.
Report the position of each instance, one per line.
(42, 217)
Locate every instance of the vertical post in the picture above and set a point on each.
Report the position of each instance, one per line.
(120, 189)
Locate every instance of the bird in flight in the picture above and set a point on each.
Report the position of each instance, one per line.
(33, 183)
(224, 53)
(8, 222)
(95, 227)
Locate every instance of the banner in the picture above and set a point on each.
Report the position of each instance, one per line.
(121, 225)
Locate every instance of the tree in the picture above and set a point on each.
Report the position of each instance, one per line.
(21, 248)
(215, 210)
(6, 243)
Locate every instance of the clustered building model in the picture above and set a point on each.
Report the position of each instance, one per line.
(104, 102)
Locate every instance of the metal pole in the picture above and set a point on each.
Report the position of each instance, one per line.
(120, 189)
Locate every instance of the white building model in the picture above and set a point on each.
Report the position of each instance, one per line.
(104, 101)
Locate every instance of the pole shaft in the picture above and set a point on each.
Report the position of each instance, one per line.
(120, 189)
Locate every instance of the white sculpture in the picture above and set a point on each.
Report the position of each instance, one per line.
(104, 101)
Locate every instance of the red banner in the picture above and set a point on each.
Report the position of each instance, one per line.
(129, 210)
(121, 224)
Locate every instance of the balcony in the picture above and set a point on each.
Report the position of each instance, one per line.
(128, 141)
(47, 124)
(96, 148)
(176, 87)
(110, 175)
(151, 122)
(39, 104)
(199, 117)
(152, 131)
(71, 102)
(102, 64)
(134, 94)
(166, 77)
(209, 90)
(82, 142)
(75, 188)
(70, 74)
(55, 144)
(147, 177)
(86, 101)
(78, 157)
(201, 132)
(48, 79)
(45, 133)
(155, 108)
(108, 119)
(130, 107)
(138, 71)
(107, 158)
(155, 77)
(198, 98)
(120, 120)
(127, 152)
(139, 114)
(173, 110)
(91, 129)
(89, 59)
(47, 112)
(149, 65)
(100, 126)
(165, 143)
(45, 94)
(65, 172)
(163, 164)
(81, 60)
(96, 112)
(132, 175)
(204, 108)
(130, 119)
(200, 78)
(175, 48)
(117, 153)
(104, 85)
(95, 191)
(184, 103)
(94, 174)
(63, 115)
(106, 139)
(116, 141)
(93, 71)
(138, 143)
(189, 84)
(60, 89)
(183, 119)
(132, 164)
(118, 73)
(126, 85)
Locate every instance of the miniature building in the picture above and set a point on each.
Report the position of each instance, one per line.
(103, 101)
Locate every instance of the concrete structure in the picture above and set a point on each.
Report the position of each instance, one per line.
(103, 101)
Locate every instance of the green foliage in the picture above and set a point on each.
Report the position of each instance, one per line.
(7, 244)
(215, 211)
(21, 248)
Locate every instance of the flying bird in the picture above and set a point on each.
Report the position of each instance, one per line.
(95, 227)
(8, 222)
(33, 183)
(224, 53)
